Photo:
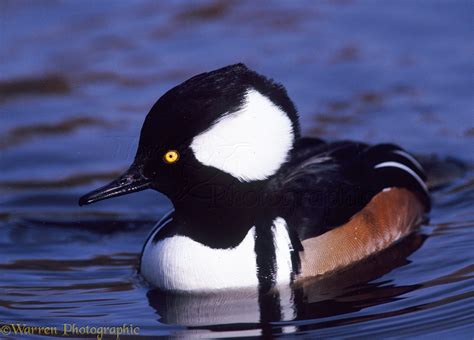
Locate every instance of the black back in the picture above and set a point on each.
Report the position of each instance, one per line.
(325, 184)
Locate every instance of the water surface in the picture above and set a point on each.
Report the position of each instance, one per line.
(76, 80)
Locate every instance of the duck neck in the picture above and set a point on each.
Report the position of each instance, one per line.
(219, 215)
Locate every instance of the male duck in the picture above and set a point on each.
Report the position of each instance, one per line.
(256, 205)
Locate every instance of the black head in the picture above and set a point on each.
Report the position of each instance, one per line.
(228, 126)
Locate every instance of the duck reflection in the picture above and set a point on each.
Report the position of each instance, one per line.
(345, 291)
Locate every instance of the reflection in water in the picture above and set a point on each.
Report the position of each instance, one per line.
(210, 11)
(23, 134)
(47, 84)
(67, 182)
(345, 291)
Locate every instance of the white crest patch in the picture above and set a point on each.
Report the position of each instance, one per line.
(251, 143)
(179, 263)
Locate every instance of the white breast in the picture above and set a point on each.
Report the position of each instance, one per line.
(179, 263)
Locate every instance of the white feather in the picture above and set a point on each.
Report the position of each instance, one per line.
(179, 263)
(251, 143)
(404, 168)
(283, 250)
(410, 158)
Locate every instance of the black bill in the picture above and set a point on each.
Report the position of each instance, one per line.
(131, 181)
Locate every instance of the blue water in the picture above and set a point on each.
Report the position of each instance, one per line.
(77, 78)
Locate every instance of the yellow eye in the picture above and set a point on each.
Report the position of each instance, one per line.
(171, 156)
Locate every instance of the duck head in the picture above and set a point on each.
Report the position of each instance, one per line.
(230, 126)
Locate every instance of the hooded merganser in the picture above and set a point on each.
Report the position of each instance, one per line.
(256, 205)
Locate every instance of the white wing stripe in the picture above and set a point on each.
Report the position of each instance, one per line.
(410, 158)
(405, 168)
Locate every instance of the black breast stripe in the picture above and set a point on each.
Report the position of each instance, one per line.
(295, 254)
